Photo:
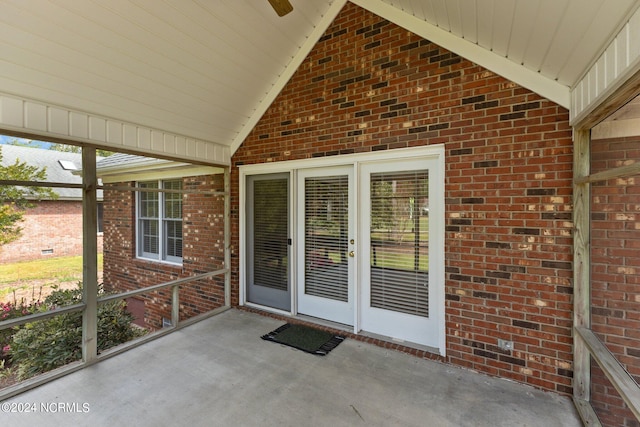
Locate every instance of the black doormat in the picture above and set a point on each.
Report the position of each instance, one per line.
(305, 338)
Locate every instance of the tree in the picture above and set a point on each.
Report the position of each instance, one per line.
(77, 149)
(24, 142)
(15, 200)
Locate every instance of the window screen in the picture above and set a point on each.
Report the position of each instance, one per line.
(270, 233)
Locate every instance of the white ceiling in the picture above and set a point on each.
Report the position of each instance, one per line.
(556, 38)
(208, 69)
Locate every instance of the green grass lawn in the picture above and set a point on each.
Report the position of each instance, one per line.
(56, 269)
(401, 262)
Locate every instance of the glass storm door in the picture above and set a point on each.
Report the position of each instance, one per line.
(267, 223)
(326, 258)
(396, 298)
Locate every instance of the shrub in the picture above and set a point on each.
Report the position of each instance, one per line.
(11, 310)
(47, 344)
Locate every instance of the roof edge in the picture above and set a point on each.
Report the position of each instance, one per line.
(288, 72)
(525, 77)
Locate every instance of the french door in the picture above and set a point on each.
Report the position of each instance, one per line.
(361, 243)
(399, 297)
(325, 244)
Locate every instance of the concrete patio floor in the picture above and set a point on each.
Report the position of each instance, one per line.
(219, 372)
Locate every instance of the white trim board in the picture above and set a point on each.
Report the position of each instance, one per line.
(343, 159)
(29, 118)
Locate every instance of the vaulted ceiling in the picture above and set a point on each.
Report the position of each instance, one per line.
(208, 69)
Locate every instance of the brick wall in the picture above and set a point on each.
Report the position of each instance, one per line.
(49, 229)
(203, 251)
(370, 85)
(615, 272)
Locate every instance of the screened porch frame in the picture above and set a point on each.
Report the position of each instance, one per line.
(90, 299)
(586, 344)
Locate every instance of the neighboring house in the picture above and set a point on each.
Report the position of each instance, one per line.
(51, 228)
(154, 237)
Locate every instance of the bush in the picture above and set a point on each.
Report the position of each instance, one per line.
(11, 310)
(47, 344)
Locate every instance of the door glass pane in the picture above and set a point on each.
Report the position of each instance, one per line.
(326, 234)
(400, 242)
(270, 232)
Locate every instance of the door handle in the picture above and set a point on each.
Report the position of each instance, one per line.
(352, 254)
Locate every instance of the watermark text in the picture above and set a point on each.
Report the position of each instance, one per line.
(45, 407)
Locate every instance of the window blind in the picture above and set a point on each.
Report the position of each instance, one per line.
(270, 233)
(326, 237)
(160, 221)
(173, 219)
(400, 242)
(149, 219)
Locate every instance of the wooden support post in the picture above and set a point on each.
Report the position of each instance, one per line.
(581, 269)
(175, 305)
(227, 236)
(89, 256)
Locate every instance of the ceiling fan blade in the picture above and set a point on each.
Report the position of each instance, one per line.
(282, 7)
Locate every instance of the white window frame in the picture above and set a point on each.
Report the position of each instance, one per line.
(161, 256)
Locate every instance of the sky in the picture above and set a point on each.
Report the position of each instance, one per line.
(31, 142)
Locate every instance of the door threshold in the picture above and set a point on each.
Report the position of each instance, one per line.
(409, 344)
(302, 317)
(326, 323)
(419, 350)
(266, 309)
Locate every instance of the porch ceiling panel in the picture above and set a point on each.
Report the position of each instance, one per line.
(197, 68)
(209, 69)
(557, 38)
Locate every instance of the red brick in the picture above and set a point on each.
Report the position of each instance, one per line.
(203, 241)
(540, 142)
(41, 231)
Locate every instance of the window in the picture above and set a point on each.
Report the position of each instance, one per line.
(100, 214)
(160, 221)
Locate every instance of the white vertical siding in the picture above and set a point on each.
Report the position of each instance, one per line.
(619, 61)
(56, 123)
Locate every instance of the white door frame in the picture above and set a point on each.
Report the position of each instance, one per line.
(436, 272)
(401, 326)
(337, 311)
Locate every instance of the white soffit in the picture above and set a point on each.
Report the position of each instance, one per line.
(543, 45)
(612, 78)
(197, 68)
(296, 61)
